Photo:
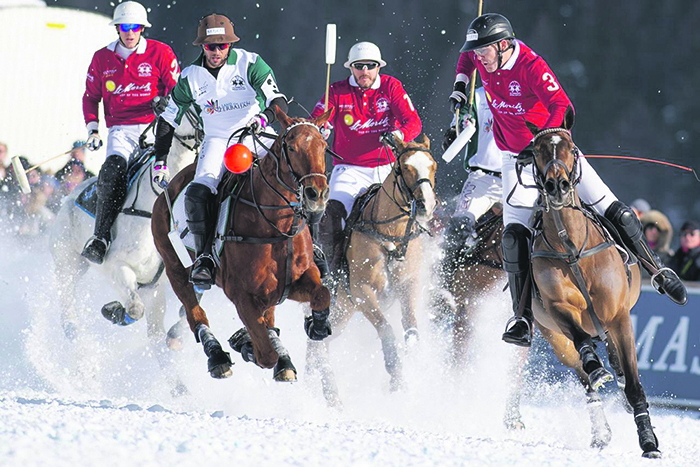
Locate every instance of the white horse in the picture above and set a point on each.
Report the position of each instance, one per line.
(131, 264)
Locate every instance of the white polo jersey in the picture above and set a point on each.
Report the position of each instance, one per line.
(244, 87)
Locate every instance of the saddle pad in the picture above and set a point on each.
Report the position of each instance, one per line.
(87, 199)
(180, 223)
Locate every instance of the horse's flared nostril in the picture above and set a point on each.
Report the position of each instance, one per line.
(550, 187)
(311, 193)
(564, 186)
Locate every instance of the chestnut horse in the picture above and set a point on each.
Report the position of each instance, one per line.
(585, 284)
(267, 254)
(469, 277)
(383, 253)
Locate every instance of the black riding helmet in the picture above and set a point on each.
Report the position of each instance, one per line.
(488, 29)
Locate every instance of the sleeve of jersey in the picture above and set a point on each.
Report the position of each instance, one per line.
(180, 100)
(406, 115)
(547, 88)
(320, 107)
(170, 71)
(93, 92)
(261, 77)
(465, 65)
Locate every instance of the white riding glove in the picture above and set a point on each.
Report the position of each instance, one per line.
(94, 142)
(258, 123)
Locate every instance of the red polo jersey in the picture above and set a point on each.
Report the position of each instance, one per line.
(360, 116)
(523, 89)
(127, 87)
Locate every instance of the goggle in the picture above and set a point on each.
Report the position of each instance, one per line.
(130, 27)
(361, 65)
(213, 47)
(482, 50)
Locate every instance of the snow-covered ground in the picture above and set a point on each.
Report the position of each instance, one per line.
(104, 400)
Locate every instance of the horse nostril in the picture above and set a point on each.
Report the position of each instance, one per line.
(564, 186)
(326, 193)
(311, 193)
(550, 187)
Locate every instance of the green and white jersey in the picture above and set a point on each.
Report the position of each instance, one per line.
(245, 86)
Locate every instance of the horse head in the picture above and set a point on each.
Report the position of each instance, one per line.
(556, 162)
(303, 148)
(415, 174)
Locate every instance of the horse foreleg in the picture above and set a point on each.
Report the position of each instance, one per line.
(124, 279)
(409, 294)
(512, 418)
(254, 320)
(614, 359)
(622, 334)
(219, 363)
(565, 351)
(68, 274)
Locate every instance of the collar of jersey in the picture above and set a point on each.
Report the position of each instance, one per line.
(511, 61)
(375, 85)
(140, 48)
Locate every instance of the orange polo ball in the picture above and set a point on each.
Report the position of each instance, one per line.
(238, 158)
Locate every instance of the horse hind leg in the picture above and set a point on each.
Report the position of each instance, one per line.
(114, 311)
(614, 359)
(600, 429)
(317, 360)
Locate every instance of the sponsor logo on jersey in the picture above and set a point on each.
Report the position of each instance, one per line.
(90, 77)
(488, 125)
(108, 73)
(369, 124)
(347, 107)
(145, 69)
(201, 90)
(348, 119)
(514, 89)
(110, 86)
(237, 83)
(212, 106)
(382, 105)
(506, 108)
(129, 88)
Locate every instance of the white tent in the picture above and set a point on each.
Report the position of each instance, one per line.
(45, 54)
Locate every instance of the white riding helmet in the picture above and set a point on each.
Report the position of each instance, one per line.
(130, 13)
(364, 51)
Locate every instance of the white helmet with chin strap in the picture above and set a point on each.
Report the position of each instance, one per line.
(130, 13)
(364, 51)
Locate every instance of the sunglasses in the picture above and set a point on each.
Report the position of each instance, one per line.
(361, 66)
(213, 47)
(689, 233)
(130, 27)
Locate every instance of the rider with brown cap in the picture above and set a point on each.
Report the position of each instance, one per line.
(229, 88)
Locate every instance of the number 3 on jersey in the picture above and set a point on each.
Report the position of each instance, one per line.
(553, 85)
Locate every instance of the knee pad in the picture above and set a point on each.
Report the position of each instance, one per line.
(625, 220)
(516, 248)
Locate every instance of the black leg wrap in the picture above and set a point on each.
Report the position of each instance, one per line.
(665, 280)
(647, 439)
(317, 326)
(516, 262)
(242, 343)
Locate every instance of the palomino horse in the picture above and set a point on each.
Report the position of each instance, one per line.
(470, 275)
(132, 263)
(383, 252)
(586, 287)
(267, 254)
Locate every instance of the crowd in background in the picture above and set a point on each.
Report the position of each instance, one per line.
(31, 214)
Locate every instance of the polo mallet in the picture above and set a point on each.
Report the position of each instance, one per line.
(21, 173)
(330, 57)
(465, 135)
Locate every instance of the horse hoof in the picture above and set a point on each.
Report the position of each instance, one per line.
(514, 424)
(174, 343)
(285, 376)
(655, 454)
(219, 365)
(221, 371)
(598, 377)
(412, 338)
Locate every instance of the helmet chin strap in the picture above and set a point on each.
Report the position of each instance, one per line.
(501, 52)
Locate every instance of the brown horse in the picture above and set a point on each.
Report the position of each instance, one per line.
(383, 253)
(469, 276)
(585, 284)
(267, 253)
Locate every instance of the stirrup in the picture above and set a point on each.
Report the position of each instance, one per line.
(527, 342)
(203, 284)
(658, 285)
(91, 250)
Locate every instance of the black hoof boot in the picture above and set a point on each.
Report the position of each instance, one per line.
(241, 342)
(202, 275)
(95, 250)
(116, 313)
(219, 364)
(667, 282)
(520, 333)
(647, 439)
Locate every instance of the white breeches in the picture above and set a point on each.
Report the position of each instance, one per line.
(479, 193)
(350, 181)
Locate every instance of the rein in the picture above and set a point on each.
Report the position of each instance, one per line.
(369, 226)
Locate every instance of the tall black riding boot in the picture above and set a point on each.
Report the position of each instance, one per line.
(664, 280)
(198, 199)
(516, 262)
(331, 235)
(111, 192)
(319, 256)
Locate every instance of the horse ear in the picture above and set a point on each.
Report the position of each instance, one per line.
(323, 118)
(568, 122)
(532, 127)
(282, 117)
(424, 141)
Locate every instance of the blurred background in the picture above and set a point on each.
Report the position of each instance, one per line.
(629, 67)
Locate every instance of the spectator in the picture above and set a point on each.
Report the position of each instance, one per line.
(73, 175)
(640, 206)
(4, 160)
(658, 232)
(77, 161)
(686, 260)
